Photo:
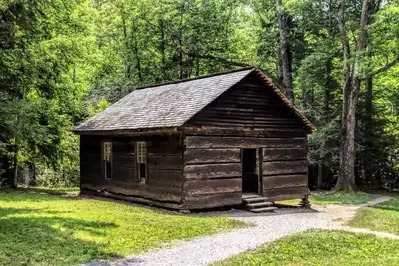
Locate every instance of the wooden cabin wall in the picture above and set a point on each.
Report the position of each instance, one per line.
(164, 165)
(212, 173)
(249, 115)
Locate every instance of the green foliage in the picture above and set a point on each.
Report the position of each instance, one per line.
(322, 247)
(383, 217)
(98, 107)
(62, 62)
(41, 229)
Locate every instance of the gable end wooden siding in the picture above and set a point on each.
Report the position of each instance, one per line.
(249, 104)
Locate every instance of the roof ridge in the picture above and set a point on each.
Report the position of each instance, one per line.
(194, 78)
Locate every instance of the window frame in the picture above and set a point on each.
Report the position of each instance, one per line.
(107, 158)
(142, 158)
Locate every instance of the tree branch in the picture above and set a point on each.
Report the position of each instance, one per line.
(382, 69)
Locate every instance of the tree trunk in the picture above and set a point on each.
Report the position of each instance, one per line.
(346, 172)
(14, 182)
(369, 170)
(320, 173)
(127, 47)
(136, 50)
(285, 51)
(197, 63)
(328, 88)
(162, 48)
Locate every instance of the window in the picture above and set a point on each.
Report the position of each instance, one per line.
(107, 159)
(141, 155)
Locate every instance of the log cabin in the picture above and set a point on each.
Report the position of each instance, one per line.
(206, 142)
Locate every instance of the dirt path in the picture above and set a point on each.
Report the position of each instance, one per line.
(341, 214)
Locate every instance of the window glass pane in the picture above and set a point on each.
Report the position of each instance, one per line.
(107, 151)
(141, 152)
(107, 170)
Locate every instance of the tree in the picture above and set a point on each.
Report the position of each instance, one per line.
(285, 22)
(353, 76)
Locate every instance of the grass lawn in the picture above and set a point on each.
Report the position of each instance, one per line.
(324, 198)
(383, 217)
(322, 247)
(42, 229)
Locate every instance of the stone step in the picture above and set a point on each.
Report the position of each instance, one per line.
(254, 199)
(266, 209)
(260, 204)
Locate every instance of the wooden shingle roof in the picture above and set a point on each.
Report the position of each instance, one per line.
(170, 105)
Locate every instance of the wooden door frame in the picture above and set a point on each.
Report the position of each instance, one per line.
(260, 170)
(259, 153)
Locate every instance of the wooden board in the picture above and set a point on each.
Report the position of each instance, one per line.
(283, 154)
(168, 194)
(210, 171)
(286, 193)
(124, 174)
(123, 160)
(244, 132)
(284, 181)
(164, 175)
(198, 156)
(205, 187)
(285, 167)
(170, 205)
(212, 200)
(234, 142)
(162, 161)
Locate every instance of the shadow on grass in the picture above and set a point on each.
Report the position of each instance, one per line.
(32, 194)
(29, 240)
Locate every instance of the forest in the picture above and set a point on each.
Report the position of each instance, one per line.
(63, 61)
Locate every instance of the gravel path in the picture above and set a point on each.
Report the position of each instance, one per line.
(205, 250)
(266, 228)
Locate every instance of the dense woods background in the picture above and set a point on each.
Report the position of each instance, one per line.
(62, 61)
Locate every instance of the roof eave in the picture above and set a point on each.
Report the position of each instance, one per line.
(131, 132)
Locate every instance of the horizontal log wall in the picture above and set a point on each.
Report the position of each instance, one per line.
(90, 159)
(216, 168)
(164, 163)
(249, 115)
(213, 174)
(285, 172)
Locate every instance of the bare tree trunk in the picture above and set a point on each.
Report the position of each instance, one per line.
(346, 173)
(328, 88)
(14, 182)
(320, 173)
(136, 50)
(197, 63)
(369, 170)
(127, 47)
(162, 48)
(285, 51)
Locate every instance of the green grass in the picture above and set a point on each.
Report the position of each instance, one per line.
(42, 229)
(383, 217)
(322, 247)
(326, 198)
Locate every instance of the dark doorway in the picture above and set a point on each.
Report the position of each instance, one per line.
(250, 170)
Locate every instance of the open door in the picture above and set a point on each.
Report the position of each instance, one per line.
(250, 170)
